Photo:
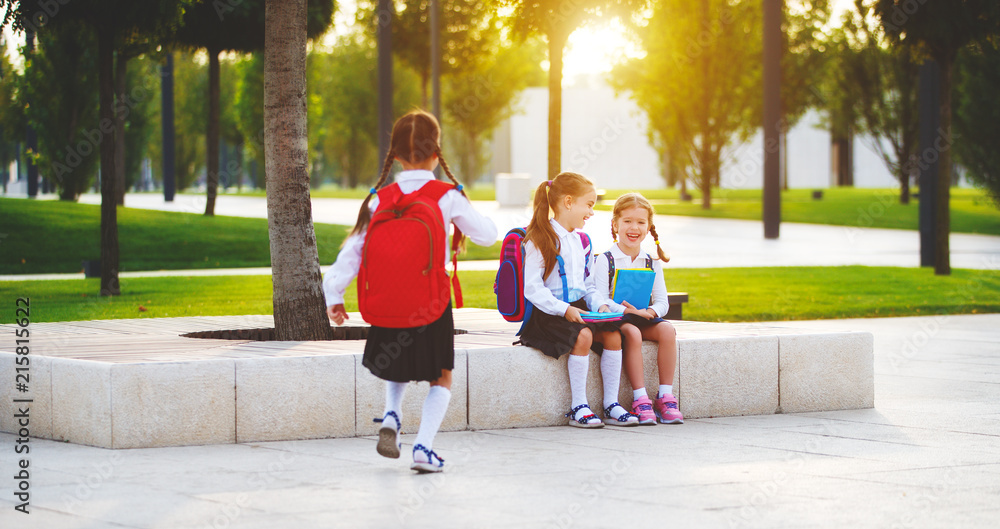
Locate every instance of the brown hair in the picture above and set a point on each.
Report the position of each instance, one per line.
(547, 197)
(635, 200)
(414, 139)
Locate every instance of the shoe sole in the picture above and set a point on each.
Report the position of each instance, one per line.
(613, 422)
(650, 422)
(387, 446)
(425, 468)
(591, 426)
(668, 421)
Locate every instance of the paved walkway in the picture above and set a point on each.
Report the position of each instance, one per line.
(926, 456)
(692, 242)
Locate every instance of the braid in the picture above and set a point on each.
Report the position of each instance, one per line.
(614, 234)
(365, 214)
(447, 171)
(659, 251)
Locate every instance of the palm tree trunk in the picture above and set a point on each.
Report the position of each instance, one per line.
(299, 307)
(557, 43)
(109, 208)
(212, 134)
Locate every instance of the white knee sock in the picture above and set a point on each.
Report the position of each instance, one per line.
(611, 373)
(578, 366)
(393, 401)
(435, 406)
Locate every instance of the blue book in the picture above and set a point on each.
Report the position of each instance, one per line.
(634, 285)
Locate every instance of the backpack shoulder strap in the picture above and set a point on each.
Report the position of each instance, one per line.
(585, 241)
(649, 262)
(389, 195)
(611, 267)
(435, 189)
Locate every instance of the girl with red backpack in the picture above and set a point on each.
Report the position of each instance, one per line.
(556, 326)
(398, 250)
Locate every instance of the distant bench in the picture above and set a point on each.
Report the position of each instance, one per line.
(677, 301)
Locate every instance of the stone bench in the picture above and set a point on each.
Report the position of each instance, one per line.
(138, 383)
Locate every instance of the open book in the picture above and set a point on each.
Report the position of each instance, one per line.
(634, 285)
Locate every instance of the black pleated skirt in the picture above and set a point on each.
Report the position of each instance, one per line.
(413, 353)
(639, 321)
(556, 336)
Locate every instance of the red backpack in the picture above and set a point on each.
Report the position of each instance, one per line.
(402, 281)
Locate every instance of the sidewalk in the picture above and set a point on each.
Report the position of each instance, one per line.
(691, 242)
(925, 457)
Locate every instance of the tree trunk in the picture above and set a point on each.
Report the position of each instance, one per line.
(707, 174)
(167, 126)
(109, 208)
(557, 43)
(121, 110)
(212, 134)
(299, 307)
(942, 226)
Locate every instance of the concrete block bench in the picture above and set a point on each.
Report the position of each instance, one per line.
(138, 383)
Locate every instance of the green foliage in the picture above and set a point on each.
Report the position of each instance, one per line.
(141, 105)
(248, 107)
(716, 294)
(190, 109)
(11, 112)
(977, 116)
(60, 81)
(696, 101)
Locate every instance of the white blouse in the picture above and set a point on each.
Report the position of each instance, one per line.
(546, 294)
(454, 208)
(600, 273)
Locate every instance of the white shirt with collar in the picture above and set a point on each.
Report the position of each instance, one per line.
(600, 269)
(546, 295)
(454, 208)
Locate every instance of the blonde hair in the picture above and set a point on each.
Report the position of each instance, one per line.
(547, 197)
(414, 139)
(635, 200)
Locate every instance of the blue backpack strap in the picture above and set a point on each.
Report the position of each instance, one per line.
(562, 276)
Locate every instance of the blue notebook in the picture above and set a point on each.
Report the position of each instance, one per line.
(634, 285)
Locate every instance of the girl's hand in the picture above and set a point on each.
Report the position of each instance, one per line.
(629, 309)
(337, 313)
(604, 308)
(573, 315)
(652, 313)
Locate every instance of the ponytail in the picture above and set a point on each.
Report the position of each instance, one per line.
(540, 232)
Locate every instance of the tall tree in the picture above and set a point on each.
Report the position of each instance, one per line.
(299, 308)
(977, 115)
(939, 30)
(63, 73)
(698, 103)
(114, 22)
(232, 26)
(555, 20)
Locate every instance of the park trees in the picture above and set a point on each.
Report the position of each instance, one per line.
(232, 26)
(555, 20)
(977, 115)
(938, 30)
(299, 308)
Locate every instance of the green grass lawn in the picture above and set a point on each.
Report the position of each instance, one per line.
(716, 294)
(972, 211)
(39, 237)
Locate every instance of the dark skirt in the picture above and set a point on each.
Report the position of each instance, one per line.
(555, 335)
(413, 353)
(639, 321)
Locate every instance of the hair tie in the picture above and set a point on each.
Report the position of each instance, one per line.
(549, 183)
(657, 241)
(459, 187)
(372, 191)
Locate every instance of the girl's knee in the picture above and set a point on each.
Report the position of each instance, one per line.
(666, 330)
(611, 340)
(631, 332)
(585, 338)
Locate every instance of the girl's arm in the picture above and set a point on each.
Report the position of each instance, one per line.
(534, 287)
(343, 270)
(660, 301)
(479, 228)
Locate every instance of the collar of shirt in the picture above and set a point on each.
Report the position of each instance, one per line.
(560, 231)
(414, 175)
(617, 253)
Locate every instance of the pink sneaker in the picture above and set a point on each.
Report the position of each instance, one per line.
(666, 410)
(643, 407)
